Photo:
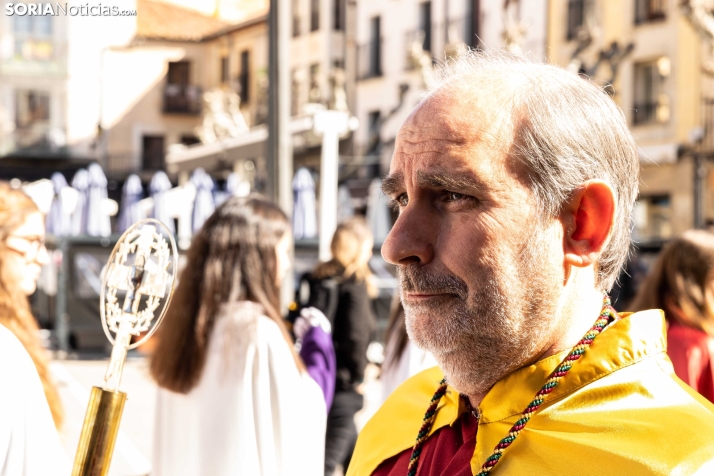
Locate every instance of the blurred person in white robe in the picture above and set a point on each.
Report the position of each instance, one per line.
(30, 408)
(235, 397)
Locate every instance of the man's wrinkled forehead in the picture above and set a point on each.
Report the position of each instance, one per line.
(451, 122)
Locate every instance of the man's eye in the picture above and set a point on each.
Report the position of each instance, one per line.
(458, 199)
(399, 202)
(454, 196)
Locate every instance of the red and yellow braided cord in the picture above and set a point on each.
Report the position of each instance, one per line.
(428, 421)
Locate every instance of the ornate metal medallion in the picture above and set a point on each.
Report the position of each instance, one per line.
(139, 278)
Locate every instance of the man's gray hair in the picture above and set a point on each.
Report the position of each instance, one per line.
(566, 131)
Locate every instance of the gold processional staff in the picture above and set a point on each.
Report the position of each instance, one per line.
(138, 271)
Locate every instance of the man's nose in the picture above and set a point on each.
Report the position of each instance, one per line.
(411, 239)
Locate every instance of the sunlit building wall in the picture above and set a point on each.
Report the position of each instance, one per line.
(387, 36)
(659, 86)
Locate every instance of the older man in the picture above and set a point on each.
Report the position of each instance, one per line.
(515, 182)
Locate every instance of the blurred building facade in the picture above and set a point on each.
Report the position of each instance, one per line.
(49, 88)
(33, 68)
(122, 90)
(318, 82)
(159, 102)
(184, 84)
(650, 53)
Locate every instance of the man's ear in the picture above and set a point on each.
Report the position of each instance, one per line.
(587, 219)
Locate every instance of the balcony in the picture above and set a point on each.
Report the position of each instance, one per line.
(369, 60)
(37, 137)
(649, 10)
(34, 49)
(34, 136)
(182, 99)
(37, 56)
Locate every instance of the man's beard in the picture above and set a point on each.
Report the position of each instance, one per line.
(481, 332)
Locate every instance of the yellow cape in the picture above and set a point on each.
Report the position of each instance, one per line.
(620, 410)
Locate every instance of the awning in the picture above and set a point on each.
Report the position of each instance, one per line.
(223, 154)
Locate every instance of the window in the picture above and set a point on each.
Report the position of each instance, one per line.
(651, 104)
(180, 97)
(425, 24)
(649, 10)
(653, 219)
(32, 119)
(179, 73)
(338, 10)
(578, 11)
(314, 15)
(152, 152)
(31, 108)
(373, 136)
(472, 23)
(244, 78)
(296, 18)
(369, 55)
(22, 25)
(375, 47)
(33, 26)
(224, 70)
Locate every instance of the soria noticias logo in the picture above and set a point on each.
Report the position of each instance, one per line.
(56, 9)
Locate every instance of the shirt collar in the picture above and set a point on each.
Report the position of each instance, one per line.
(622, 343)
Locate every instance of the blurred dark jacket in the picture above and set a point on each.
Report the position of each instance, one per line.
(347, 305)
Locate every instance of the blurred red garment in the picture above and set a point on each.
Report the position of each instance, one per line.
(692, 352)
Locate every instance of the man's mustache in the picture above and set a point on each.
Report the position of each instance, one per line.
(418, 279)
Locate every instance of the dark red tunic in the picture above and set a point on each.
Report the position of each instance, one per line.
(447, 452)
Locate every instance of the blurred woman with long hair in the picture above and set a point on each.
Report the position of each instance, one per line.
(30, 407)
(352, 325)
(234, 396)
(681, 283)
